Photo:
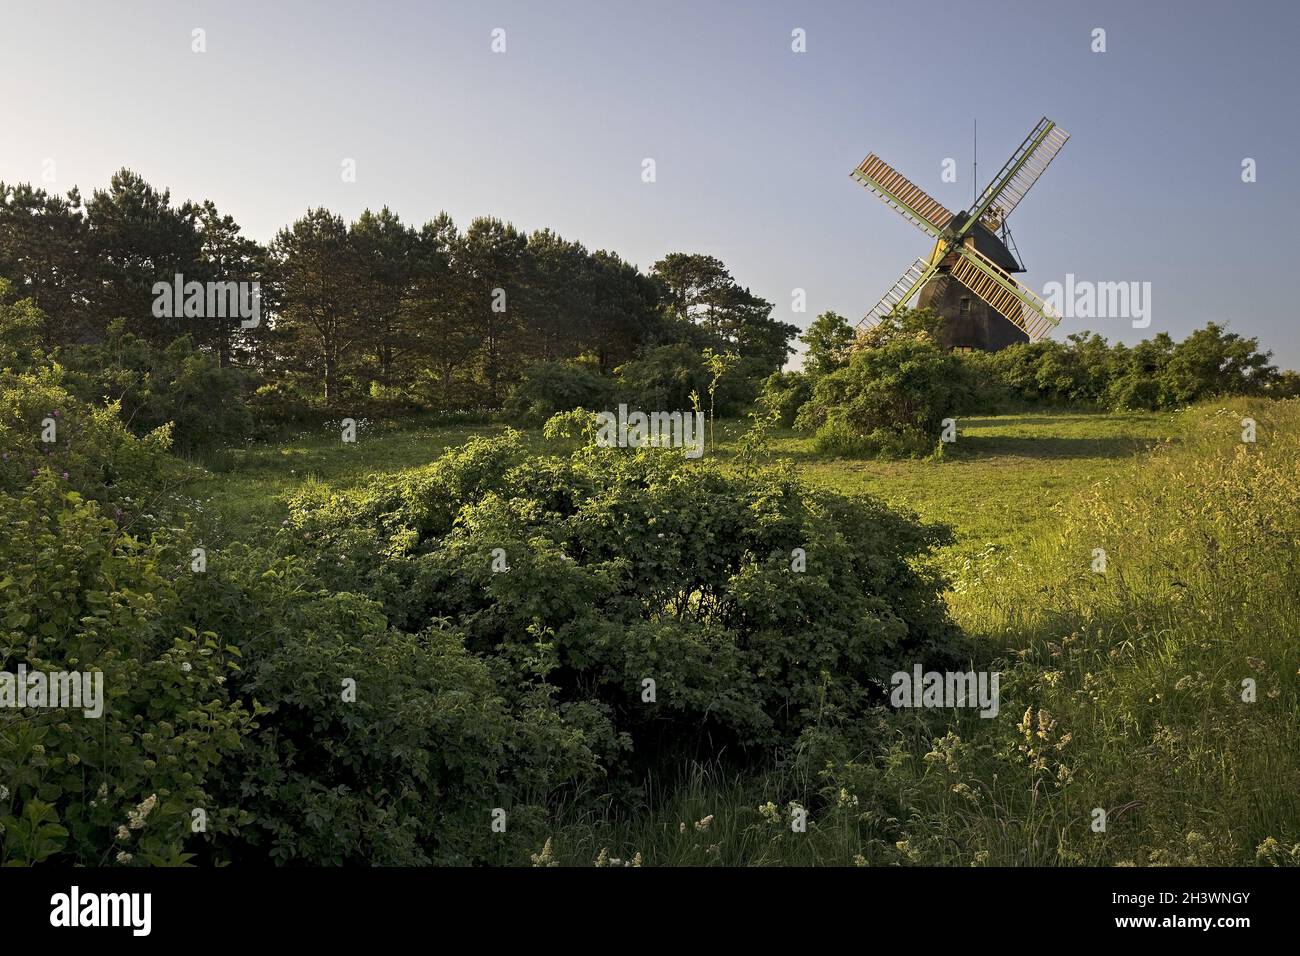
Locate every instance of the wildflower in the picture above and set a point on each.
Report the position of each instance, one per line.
(1026, 722)
(186, 666)
(964, 790)
(137, 817)
(546, 857)
(124, 857)
(770, 813)
(4, 792)
(704, 824)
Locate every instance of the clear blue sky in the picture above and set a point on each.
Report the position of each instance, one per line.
(753, 143)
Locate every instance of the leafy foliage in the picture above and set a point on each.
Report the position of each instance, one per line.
(628, 566)
(81, 595)
(889, 398)
(551, 387)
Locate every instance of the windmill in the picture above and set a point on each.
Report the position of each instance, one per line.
(966, 278)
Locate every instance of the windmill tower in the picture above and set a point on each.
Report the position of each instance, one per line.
(967, 276)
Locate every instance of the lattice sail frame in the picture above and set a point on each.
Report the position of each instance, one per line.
(1015, 178)
(901, 291)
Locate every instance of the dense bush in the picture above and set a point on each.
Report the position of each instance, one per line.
(277, 407)
(897, 384)
(786, 392)
(20, 332)
(626, 566)
(666, 377)
(1155, 373)
(82, 594)
(405, 773)
(663, 378)
(550, 387)
(889, 398)
(91, 453)
(224, 687)
(178, 384)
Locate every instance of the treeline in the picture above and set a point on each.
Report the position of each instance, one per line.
(887, 391)
(434, 317)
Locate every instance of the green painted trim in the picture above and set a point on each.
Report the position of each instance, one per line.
(921, 221)
(977, 213)
(925, 274)
(1011, 287)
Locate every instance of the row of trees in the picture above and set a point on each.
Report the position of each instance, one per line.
(451, 316)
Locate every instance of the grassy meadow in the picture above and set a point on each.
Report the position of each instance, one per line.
(1121, 690)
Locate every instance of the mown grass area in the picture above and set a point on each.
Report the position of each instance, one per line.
(996, 485)
(1121, 690)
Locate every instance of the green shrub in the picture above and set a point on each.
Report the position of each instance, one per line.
(80, 595)
(179, 384)
(550, 387)
(277, 407)
(626, 566)
(21, 324)
(408, 771)
(663, 378)
(786, 392)
(92, 452)
(890, 398)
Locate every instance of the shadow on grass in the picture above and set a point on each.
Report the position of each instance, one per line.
(987, 421)
(973, 447)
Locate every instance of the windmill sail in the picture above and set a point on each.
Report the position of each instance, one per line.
(901, 292)
(1021, 171)
(1022, 307)
(902, 195)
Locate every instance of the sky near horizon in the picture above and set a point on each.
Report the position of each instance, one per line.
(753, 143)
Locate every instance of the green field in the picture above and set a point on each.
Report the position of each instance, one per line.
(1121, 690)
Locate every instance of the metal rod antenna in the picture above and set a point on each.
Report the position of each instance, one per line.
(975, 174)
